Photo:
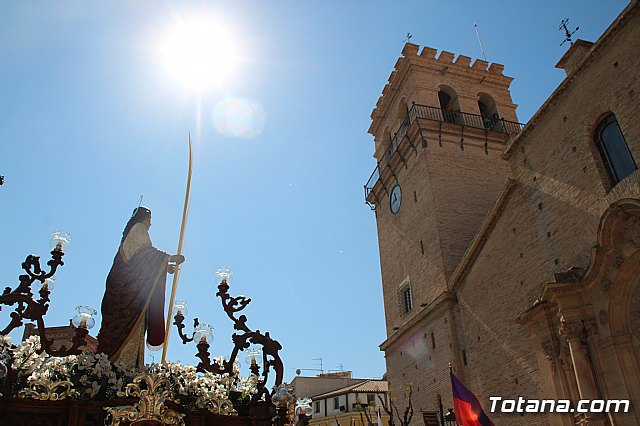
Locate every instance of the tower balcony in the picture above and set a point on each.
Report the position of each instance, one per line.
(441, 120)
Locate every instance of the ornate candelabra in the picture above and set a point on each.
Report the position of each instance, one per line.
(265, 358)
(264, 355)
(28, 308)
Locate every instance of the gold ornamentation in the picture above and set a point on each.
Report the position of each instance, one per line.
(150, 405)
(46, 390)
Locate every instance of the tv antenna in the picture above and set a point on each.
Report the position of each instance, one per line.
(339, 367)
(319, 359)
(563, 26)
(408, 38)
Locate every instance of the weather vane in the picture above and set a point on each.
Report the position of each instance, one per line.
(407, 39)
(563, 26)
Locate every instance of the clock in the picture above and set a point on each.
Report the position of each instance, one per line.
(395, 199)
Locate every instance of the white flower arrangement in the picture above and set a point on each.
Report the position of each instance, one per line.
(95, 377)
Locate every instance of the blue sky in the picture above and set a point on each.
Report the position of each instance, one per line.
(91, 119)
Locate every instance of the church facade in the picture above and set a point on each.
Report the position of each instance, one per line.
(512, 252)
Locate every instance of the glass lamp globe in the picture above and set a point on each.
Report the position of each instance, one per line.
(60, 241)
(282, 397)
(204, 332)
(303, 406)
(224, 273)
(48, 284)
(254, 353)
(84, 318)
(180, 306)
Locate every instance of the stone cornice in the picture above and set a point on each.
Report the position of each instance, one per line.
(458, 276)
(593, 54)
(445, 298)
(538, 309)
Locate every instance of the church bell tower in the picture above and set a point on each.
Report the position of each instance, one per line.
(440, 128)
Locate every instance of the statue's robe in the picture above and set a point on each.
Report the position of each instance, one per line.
(133, 301)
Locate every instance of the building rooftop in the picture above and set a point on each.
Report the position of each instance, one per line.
(367, 386)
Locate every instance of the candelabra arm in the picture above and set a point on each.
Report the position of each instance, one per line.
(179, 323)
(27, 308)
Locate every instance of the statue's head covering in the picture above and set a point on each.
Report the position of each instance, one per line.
(140, 214)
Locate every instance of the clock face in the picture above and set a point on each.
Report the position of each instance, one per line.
(395, 199)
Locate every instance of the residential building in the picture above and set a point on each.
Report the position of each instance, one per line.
(355, 405)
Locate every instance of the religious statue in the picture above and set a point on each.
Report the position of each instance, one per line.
(133, 301)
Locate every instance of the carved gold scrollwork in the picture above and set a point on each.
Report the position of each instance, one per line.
(150, 405)
(46, 390)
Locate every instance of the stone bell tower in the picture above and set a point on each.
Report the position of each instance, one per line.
(440, 128)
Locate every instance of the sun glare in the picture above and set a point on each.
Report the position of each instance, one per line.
(199, 54)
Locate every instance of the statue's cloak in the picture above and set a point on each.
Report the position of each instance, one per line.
(135, 288)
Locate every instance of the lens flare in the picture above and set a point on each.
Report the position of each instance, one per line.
(239, 118)
(417, 347)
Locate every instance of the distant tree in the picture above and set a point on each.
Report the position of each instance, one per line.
(406, 417)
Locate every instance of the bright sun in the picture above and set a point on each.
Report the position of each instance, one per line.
(199, 53)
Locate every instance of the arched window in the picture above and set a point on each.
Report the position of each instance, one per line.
(616, 157)
(402, 118)
(449, 104)
(403, 110)
(488, 112)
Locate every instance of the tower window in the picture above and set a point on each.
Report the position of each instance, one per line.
(615, 154)
(406, 299)
(450, 105)
(336, 403)
(489, 113)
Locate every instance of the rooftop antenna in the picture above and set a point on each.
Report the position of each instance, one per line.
(339, 367)
(480, 41)
(563, 26)
(300, 370)
(319, 359)
(408, 38)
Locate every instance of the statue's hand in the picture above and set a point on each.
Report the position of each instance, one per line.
(177, 258)
(171, 268)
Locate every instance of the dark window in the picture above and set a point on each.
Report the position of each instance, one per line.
(317, 410)
(489, 113)
(371, 399)
(433, 341)
(336, 403)
(616, 157)
(450, 106)
(407, 300)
